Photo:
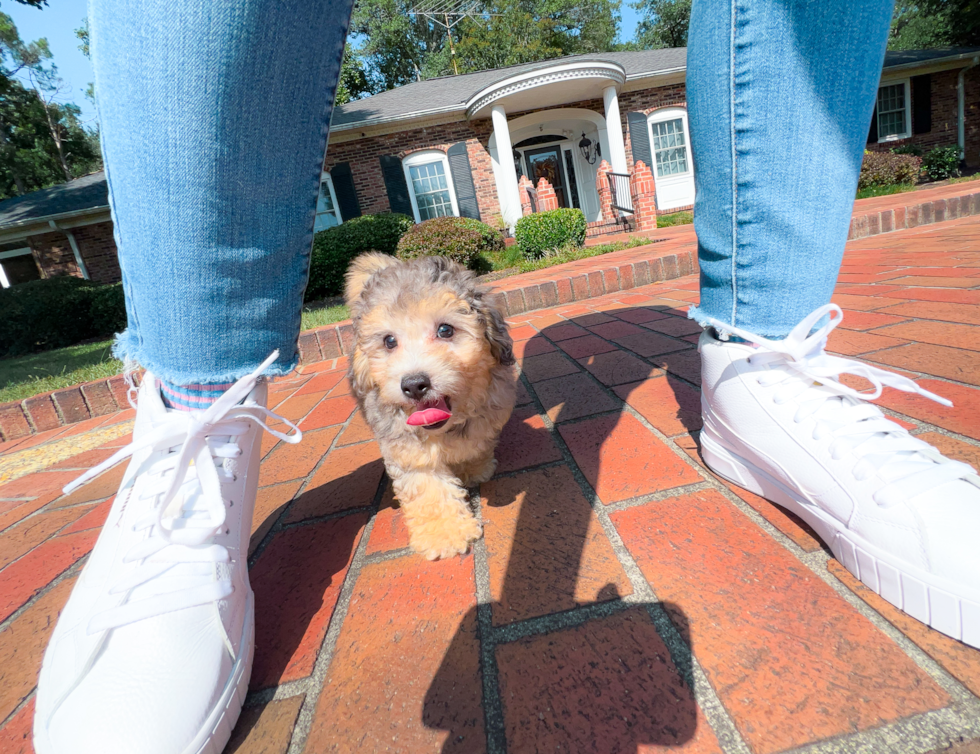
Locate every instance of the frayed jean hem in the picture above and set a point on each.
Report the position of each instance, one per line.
(127, 349)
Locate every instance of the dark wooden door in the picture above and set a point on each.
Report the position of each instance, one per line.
(546, 163)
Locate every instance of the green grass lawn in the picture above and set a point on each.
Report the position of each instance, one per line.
(24, 376)
(891, 188)
(677, 218)
(319, 316)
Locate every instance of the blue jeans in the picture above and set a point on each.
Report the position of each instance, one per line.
(214, 120)
(780, 95)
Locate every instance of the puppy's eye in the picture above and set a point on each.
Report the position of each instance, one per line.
(390, 342)
(445, 331)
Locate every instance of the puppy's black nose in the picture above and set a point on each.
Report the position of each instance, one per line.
(415, 386)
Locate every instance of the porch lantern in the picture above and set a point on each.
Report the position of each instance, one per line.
(590, 149)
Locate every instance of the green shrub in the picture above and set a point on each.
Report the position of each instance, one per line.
(58, 312)
(335, 248)
(459, 238)
(542, 232)
(107, 308)
(911, 149)
(886, 168)
(942, 163)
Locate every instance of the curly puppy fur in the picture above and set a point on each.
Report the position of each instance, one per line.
(397, 310)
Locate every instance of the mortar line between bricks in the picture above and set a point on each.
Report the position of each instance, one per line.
(299, 687)
(923, 733)
(680, 651)
(280, 522)
(316, 679)
(817, 562)
(495, 729)
(46, 508)
(67, 573)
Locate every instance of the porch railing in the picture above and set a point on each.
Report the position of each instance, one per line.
(532, 194)
(622, 198)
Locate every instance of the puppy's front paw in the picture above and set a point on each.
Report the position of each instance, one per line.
(478, 473)
(444, 537)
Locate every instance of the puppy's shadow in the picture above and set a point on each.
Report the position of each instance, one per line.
(603, 681)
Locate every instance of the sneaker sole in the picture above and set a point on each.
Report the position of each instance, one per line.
(920, 594)
(216, 731)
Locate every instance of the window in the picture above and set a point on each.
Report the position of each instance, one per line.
(17, 266)
(893, 111)
(669, 147)
(430, 185)
(327, 211)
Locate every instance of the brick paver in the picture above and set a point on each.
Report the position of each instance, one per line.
(622, 599)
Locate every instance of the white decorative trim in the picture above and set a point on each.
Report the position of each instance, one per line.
(543, 77)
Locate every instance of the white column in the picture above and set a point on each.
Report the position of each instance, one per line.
(507, 193)
(614, 130)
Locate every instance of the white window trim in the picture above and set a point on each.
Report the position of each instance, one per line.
(660, 116)
(325, 177)
(4, 281)
(423, 158)
(908, 110)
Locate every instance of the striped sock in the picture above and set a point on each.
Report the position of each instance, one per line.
(191, 397)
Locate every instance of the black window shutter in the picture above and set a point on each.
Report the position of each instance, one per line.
(395, 185)
(921, 104)
(459, 166)
(873, 133)
(640, 138)
(343, 187)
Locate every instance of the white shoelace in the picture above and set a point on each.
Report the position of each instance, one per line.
(810, 376)
(202, 440)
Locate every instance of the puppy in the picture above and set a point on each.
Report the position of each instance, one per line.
(433, 372)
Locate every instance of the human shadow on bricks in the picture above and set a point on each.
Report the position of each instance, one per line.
(578, 668)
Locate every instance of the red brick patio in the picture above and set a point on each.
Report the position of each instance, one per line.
(622, 600)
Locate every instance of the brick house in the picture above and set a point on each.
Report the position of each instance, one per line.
(62, 230)
(437, 147)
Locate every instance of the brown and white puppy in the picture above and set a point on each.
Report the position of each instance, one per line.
(433, 372)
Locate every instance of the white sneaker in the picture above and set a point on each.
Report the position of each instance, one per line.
(153, 651)
(898, 515)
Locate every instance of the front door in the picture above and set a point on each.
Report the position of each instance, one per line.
(546, 163)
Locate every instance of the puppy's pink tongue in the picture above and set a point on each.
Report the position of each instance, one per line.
(431, 415)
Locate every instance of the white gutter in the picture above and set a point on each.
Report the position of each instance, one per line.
(74, 248)
(961, 108)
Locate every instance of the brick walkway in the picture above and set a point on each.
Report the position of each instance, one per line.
(622, 600)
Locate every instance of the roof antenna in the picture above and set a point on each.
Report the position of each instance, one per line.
(449, 13)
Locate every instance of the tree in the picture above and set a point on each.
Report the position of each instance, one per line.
(354, 82)
(397, 47)
(664, 23)
(42, 141)
(934, 23)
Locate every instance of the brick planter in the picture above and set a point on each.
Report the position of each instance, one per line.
(672, 258)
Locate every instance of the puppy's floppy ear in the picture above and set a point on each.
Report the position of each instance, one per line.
(361, 270)
(495, 328)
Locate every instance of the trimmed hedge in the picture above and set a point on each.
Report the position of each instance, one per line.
(335, 248)
(542, 232)
(886, 168)
(942, 163)
(460, 239)
(58, 312)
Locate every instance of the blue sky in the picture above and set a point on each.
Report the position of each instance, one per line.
(59, 20)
